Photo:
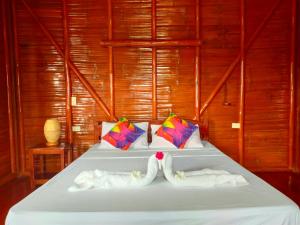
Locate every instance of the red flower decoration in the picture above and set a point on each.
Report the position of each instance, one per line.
(159, 155)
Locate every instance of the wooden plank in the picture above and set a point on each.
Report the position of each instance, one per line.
(111, 61)
(292, 85)
(197, 63)
(242, 85)
(69, 133)
(154, 63)
(151, 43)
(8, 74)
(21, 136)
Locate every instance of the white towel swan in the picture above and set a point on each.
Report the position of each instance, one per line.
(98, 179)
(201, 178)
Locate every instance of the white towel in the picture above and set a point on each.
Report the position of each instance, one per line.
(98, 179)
(205, 178)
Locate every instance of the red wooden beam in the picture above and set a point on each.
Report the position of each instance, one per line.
(242, 86)
(21, 134)
(154, 63)
(8, 74)
(197, 63)
(81, 78)
(69, 133)
(238, 58)
(111, 62)
(292, 84)
(151, 43)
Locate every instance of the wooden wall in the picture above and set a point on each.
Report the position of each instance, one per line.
(225, 61)
(297, 139)
(7, 156)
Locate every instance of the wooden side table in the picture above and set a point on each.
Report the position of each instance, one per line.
(64, 149)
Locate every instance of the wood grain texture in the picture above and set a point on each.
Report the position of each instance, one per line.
(5, 144)
(297, 133)
(145, 68)
(267, 90)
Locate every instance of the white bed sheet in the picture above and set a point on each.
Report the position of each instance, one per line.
(159, 203)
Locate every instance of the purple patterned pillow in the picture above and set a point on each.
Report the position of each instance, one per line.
(123, 134)
(176, 130)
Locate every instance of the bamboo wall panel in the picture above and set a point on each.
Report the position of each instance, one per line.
(175, 82)
(41, 68)
(267, 91)
(175, 19)
(122, 76)
(87, 26)
(221, 33)
(5, 162)
(131, 19)
(133, 76)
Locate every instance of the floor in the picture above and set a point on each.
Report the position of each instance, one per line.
(17, 189)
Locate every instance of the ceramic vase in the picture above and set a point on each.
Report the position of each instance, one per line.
(52, 131)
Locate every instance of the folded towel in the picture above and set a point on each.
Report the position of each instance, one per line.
(98, 179)
(205, 178)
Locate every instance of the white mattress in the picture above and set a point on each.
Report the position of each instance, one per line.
(159, 203)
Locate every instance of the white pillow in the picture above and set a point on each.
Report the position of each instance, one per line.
(159, 142)
(140, 142)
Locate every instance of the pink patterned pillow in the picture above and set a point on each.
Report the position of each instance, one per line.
(123, 134)
(176, 130)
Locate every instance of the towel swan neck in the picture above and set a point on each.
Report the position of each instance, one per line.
(200, 178)
(99, 179)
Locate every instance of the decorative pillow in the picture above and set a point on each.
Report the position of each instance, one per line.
(176, 130)
(159, 143)
(123, 134)
(140, 143)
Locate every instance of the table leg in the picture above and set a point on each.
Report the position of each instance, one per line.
(62, 160)
(31, 168)
(42, 163)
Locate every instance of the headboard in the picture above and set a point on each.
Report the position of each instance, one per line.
(203, 126)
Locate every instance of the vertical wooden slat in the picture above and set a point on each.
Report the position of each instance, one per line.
(154, 63)
(8, 74)
(292, 84)
(197, 64)
(69, 134)
(18, 90)
(111, 61)
(242, 85)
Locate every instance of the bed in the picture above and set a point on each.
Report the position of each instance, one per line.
(158, 203)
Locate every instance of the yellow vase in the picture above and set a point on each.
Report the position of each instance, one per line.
(52, 131)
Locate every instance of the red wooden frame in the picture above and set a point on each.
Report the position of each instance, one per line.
(242, 86)
(69, 133)
(292, 84)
